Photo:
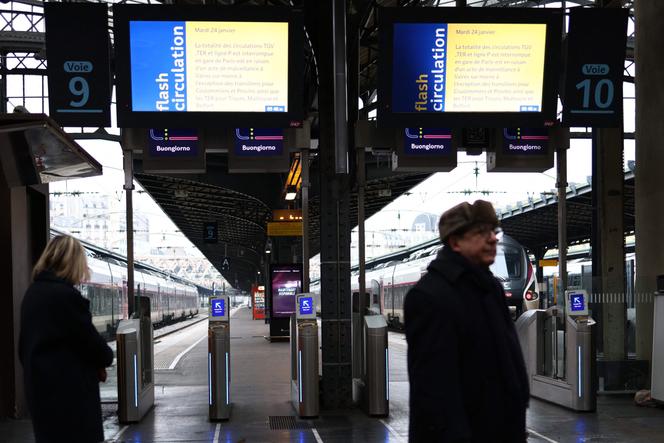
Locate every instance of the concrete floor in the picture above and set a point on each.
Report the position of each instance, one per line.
(260, 392)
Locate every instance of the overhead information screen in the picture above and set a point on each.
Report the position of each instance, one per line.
(468, 67)
(205, 66)
(179, 66)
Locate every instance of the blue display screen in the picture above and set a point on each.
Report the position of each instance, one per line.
(577, 302)
(525, 141)
(306, 305)
(218, 308)
(427, 141)
(259, 142)
(173, 142)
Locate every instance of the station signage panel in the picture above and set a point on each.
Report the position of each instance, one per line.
(424, 149)
(525, 141)
(577, 302)
(306, 305)
(465, 67)
(520, 150)
(208, 66)
(593, 91)
(78, 56)
(172, 150)
(218, 307)
(211, 232)
(258, 150)
(173, 142)
(258, 142)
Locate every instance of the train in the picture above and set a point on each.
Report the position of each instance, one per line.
(171, 297)
(388, 283)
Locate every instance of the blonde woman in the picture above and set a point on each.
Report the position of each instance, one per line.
(62, 353)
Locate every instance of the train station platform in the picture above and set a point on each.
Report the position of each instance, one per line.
(262, 412)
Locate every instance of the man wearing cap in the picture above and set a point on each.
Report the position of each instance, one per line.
(468, 380)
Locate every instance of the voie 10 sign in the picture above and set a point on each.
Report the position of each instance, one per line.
(593, 93)
(197, 66)
(468, 66)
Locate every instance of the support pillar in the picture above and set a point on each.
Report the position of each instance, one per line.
(24, 232)
(649, 192)
(608, 245)
(335, 225)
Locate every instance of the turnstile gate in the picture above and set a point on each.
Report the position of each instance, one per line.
(219, 355)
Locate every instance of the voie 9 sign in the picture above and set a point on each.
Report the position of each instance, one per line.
(208, 66)
(468, 66)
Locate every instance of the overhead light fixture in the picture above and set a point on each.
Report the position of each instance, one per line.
(291, 193)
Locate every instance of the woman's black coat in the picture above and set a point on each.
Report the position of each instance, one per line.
(61, 352)
(468, 380)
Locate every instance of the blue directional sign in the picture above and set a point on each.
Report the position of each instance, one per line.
(577, 302)
(218, 308)
(306, 305)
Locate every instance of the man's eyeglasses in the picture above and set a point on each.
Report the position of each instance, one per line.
(485, 230)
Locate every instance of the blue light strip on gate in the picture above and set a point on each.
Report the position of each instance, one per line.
(387, 374)
(579, 356)
(135, 382)
(299, 372)
(210, 376)
(228, 394)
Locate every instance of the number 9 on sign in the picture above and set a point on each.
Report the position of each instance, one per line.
(78, 86)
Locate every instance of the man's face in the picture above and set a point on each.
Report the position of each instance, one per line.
(478, 244)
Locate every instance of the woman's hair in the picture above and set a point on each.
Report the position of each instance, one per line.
(65, 257)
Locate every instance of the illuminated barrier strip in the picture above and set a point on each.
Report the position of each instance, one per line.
(269, 137)
(438, 136)
(135, 382)
(299, 372)
(387, 374)
(228, 388)
(579, 357)
(210, 376)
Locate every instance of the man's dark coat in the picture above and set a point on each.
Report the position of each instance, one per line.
(468, 380)
(61, 352)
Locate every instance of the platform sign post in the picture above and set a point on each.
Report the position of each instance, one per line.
(219, 355)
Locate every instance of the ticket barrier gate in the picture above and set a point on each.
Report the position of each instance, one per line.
(135, 357)
(657, 373)
(374, 388)
(219, 354)
(304, 357)
(559, 350)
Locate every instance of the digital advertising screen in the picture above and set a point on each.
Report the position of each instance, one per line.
(198, 62)
(286, 281)
(451, 65)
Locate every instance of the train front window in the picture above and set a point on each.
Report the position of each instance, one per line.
(508, 264)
